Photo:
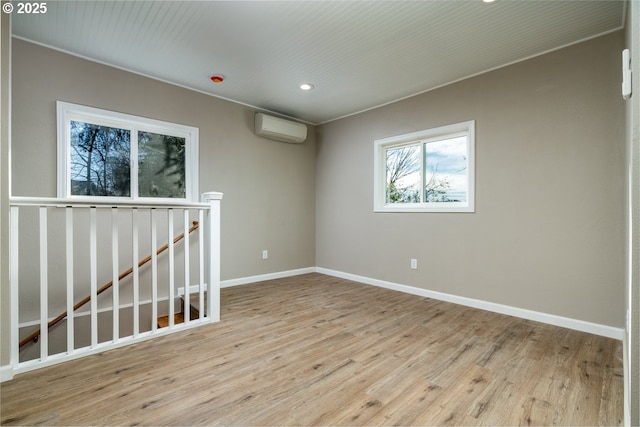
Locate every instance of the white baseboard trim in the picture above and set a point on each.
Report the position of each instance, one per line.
(552, 319)
(268, 276)
(6, 373)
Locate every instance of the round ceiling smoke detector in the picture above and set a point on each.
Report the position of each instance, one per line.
(217, 78)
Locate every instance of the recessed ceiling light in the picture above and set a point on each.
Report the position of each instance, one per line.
(488, 1)
(306, 86)
(217, 78)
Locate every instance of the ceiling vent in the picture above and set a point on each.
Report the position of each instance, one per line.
(280, 129)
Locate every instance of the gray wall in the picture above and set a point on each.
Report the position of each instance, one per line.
(268, 186)
(548, 231)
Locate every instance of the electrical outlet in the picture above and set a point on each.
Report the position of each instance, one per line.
(414, 264)
(265, 254)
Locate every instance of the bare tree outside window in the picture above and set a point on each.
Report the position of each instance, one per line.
(436, 187)
(161, 165)
(111, 154)
(426, 171)
(100, 160)
(403, 174)
(446, 169)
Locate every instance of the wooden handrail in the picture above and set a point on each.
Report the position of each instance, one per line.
(34, 335)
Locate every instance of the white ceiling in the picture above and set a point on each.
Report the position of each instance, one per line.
(358, 54)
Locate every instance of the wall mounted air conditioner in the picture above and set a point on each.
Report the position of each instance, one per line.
(280, 129)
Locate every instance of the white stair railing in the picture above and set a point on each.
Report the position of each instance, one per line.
(78, 245)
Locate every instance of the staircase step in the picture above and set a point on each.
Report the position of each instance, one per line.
(163, 321)
(194, 302)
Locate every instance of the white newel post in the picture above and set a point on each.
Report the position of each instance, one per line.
(213, 254)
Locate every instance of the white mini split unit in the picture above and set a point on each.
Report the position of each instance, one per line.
(280, 129)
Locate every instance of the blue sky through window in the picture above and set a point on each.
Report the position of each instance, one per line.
(446, 167)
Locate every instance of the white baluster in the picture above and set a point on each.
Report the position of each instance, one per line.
(44, 296)
(93, 262)
(115, 256)
(201, 309)
(154, 271)
(14, 265)
(69, 267)
(187, 299)
(171, 267)
(136, 270)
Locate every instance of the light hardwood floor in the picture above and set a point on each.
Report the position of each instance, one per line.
(317, 350)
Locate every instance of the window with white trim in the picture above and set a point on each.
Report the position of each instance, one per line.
(108, 154)
(426, 171)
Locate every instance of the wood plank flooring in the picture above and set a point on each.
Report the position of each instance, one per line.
(317, 350)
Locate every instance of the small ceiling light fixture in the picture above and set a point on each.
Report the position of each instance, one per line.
(488, 1)
(217, 78)
(306, 86)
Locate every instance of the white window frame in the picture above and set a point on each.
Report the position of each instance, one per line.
(67, 112)
(380, 168)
